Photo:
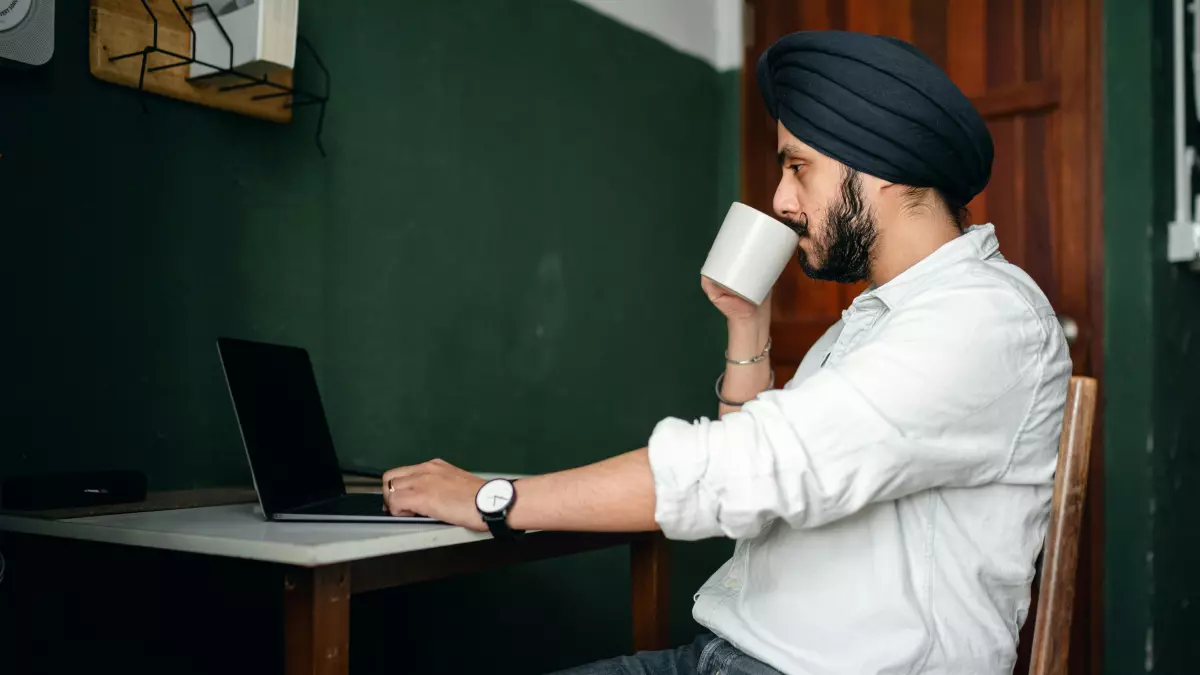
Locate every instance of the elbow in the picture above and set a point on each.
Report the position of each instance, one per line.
(745, 518)
(799, 501)
(744, 528)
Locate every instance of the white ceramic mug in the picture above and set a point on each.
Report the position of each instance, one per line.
(750, 252)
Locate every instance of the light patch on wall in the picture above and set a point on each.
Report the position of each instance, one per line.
(1148, 650)
(544, 315)
(710, 30)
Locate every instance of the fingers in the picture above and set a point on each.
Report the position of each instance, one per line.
(394, 509)
(392, 476)
(415, 468)
(401, 499)
(404, 492)
(406, 483)
(396, 505)
(710, 288)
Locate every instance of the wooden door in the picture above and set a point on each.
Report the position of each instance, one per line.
(1033, 70)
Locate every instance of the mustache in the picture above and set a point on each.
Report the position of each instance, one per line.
(800, 225)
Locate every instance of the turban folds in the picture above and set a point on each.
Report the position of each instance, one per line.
(878, 105)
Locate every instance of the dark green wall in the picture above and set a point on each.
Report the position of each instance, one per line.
(729, 148)
(497, 264)
(1128, 339)
(1174, 584)
(1152, 363)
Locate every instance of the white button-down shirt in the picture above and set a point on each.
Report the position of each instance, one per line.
(890, 502)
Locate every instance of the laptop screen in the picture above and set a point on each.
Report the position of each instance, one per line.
(283, 423)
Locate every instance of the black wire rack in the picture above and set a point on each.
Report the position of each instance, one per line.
(294, 97)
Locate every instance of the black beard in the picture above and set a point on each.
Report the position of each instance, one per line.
(848, 237)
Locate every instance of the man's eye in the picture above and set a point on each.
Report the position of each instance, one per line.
(794, 167)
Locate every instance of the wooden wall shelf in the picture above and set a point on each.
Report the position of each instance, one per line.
(125, 26)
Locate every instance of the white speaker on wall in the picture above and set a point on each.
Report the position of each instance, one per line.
(26, 32)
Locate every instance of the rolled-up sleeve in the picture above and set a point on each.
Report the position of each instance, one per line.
(685, 505)
(918, 405)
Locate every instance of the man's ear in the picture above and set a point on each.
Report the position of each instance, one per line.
(889, 187)
(873, 185)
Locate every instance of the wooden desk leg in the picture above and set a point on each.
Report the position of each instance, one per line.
(650, 575)
(316, 633)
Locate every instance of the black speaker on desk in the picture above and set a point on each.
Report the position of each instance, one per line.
(70, 489)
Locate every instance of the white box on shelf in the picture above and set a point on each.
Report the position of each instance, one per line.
(262, 33)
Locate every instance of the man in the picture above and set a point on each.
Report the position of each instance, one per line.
(889, 502)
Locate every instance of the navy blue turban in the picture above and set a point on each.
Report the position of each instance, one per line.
(878, 105)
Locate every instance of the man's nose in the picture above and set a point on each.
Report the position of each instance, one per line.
(785, 203)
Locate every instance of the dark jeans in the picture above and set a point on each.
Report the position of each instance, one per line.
(707, 655)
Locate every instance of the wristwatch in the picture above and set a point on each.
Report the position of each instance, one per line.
(493, 501)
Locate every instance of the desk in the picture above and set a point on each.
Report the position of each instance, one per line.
(322, 564)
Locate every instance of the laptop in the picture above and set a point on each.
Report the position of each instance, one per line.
(288, 444)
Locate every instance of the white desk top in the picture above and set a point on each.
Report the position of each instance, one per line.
(239, 531)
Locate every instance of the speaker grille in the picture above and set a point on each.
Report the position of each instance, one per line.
(30, 42)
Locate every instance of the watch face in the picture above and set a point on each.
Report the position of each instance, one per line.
(494, 496)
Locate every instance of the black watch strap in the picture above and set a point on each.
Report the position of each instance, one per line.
(498, 524)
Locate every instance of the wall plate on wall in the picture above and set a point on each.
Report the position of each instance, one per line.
(26, 32)
(1183, 232)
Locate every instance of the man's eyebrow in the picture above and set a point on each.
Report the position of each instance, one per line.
(789, 150)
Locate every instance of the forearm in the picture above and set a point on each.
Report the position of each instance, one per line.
(742, 383)
(614, 495)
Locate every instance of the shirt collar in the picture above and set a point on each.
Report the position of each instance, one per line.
(977, 242)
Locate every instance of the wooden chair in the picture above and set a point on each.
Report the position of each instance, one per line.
(1056, 593)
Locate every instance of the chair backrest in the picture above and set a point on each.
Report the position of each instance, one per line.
(1056, 594)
